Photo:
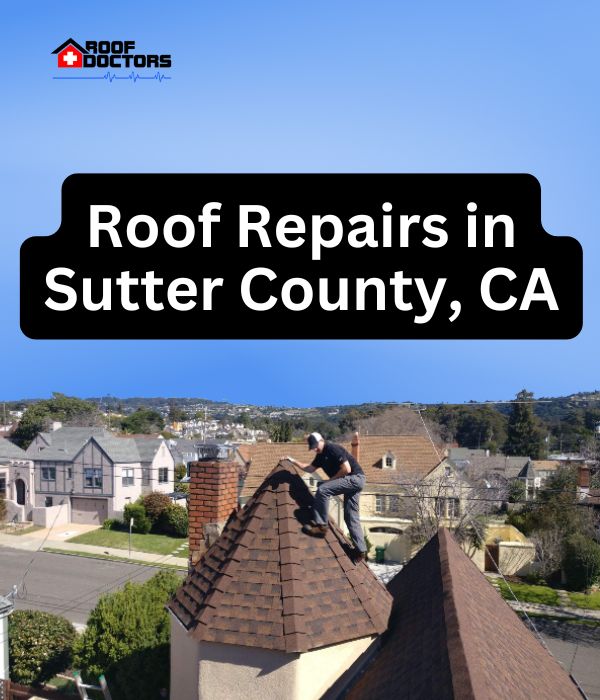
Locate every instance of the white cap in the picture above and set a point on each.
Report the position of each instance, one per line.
(313, 440)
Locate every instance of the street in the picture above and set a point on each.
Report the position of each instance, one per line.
(64, 585)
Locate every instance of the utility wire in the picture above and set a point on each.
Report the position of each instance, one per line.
(520, 605)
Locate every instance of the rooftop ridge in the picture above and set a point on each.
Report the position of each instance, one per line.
(264, 583)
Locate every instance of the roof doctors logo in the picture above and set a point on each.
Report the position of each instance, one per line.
(110, 56)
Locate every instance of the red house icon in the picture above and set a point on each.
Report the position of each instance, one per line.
(70, 54)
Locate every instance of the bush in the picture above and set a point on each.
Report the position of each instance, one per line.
(581, 562)
(141, 522)
(180, 471)
(39, 645)
(174, 521)
(155, 504)
(112, 524)
(127, 639)
(2, 509)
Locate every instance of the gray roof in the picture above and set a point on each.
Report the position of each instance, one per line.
(183, 451)
(476, 466)
(464, 453)
(147, 447)
(64, 443)
(8, 450)
(528, 472)
(119, 449)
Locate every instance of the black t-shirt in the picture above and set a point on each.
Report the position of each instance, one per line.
(332, 458)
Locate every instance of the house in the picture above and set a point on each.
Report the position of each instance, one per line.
(393, 464)
(70, 54)
(183, 451)
(268, 612)
(94, 473)
(16, 480)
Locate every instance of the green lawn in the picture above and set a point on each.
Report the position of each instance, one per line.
(590, 602)
(530, 594)
(155, 544)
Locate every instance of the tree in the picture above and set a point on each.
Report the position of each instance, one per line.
(144, 420)
(69, 410)
(549, 547)
(174, 521)
(141, 522)
(523, 434)
(581, 562)
(281, 432)
(155, 504)
(127, 639)
(447, 499)
(176, 414)
(516, 491)
(40, 645)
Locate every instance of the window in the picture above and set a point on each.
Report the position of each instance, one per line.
(69, 472)
(387, 504)
(48, 502)
(453, 507)
(389, 461)
(447, 507)
(163, 475)
(128, 476)
(2, 485)
(49, 473)
(92, 478)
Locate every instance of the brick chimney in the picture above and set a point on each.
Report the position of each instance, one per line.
(355, 444)
(213, 496)
(583, 481)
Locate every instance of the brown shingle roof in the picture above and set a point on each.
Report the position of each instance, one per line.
(415, 457)
(266, 584)
(452, 637)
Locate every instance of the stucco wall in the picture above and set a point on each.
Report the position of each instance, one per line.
(52, 516)
(124, 494)
(163, 458)
(209, 671)
(319, 669)
(185, 660)
(398, 545)
(515, 557)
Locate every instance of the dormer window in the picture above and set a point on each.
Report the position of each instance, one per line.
(388, 460)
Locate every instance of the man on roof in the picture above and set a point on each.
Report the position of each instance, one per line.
(346, 478)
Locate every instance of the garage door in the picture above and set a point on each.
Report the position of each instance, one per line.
(89, 511)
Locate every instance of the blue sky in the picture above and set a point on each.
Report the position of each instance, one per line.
(306, 87)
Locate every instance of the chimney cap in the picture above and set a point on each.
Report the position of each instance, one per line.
(213, 451)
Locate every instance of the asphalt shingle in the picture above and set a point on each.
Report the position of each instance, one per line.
(266, 584)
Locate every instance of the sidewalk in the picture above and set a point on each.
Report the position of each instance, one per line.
(55, 539)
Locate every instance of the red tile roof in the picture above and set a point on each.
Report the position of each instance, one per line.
(452, 637)
(415, 457)
(266, 584)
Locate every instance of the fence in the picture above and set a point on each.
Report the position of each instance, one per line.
(9, 690)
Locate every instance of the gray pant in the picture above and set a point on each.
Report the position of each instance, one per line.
(350, 487)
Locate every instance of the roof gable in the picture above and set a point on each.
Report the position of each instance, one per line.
(266, 584)
(451, 636)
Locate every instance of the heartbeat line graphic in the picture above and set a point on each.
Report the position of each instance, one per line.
(133, 76)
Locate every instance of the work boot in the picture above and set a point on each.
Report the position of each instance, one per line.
(356, 555)
(314, 530)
